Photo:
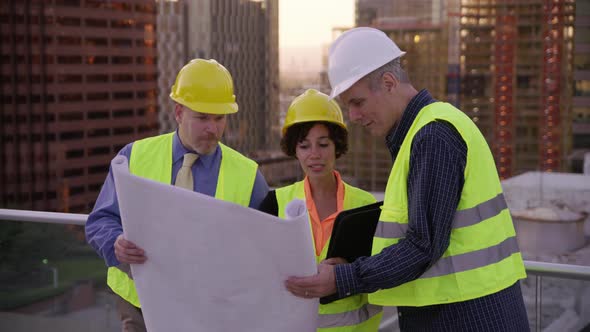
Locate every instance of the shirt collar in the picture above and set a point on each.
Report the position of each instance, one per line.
(339, 194)
(179, 150)
(397, 134)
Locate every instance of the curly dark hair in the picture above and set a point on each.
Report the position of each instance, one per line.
(297, 133)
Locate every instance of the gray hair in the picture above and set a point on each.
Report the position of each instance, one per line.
(394, 67)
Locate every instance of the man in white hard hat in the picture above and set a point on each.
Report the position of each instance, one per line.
(445, 250)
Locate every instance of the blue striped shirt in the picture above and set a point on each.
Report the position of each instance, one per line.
(435, 180)
(104, 222)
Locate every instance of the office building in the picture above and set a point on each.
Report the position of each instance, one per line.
(78, 83)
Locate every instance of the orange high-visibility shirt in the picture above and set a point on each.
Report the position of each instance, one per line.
(322, 229)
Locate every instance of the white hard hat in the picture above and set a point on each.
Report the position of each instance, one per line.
(356, 53)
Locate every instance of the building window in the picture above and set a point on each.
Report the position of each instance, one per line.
(145, 60)
(123, 131)
(123, 24)
(123, 95)
(70, 97)
(97, 60)
(145, 8)
(142, 77)
(582, 88)
(69, 78)
(68, 3)
(99, 169)
(120, 42)
(74, 191)
(71, 135)
(99, 132)
(98, 115)
(69, 59)
(120, 6)
(123, 113)
(523, 81)
(68, 21)
(97, 96)
(71, 116)
(97, 78)
(96, 23)
(78, 153)
(99, 150)
(121, 60)
(96, 41)
(149, 43)
(122, 77)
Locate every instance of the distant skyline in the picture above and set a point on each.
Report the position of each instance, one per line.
(305, 26)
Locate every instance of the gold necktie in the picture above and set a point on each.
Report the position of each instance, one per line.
(184, 177)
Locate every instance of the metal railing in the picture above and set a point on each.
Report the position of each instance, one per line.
(533, 268)
(44, 217)
(539, 270)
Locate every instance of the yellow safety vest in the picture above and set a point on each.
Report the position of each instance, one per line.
(151, 158)
(483, 256)
(354, 313)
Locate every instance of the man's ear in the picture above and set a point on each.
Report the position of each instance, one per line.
(389, 81)
(178, 113)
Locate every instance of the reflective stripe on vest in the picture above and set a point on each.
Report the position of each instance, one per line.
(151, 158)
(474, 259)
(464, 218)
(349, 318)
(351, 314)
(482, 257)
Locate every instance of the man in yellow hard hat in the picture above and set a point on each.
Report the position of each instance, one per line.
(445, 250)
(191, 157)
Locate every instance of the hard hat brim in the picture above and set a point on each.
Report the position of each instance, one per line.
(285, 128)
(338, 89)
(209, 108)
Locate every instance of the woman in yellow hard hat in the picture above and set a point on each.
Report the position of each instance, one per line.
(315, 134)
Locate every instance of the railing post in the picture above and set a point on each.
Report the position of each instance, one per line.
(55, 278)
(538, 302)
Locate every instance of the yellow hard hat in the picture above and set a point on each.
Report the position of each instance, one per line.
(313, 105)
(205, 86)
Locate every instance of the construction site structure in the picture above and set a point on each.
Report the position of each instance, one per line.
(581, 98)
(78, 82)
(368, 12)
(516, 73)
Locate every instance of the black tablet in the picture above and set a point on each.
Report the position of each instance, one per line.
(352, 235)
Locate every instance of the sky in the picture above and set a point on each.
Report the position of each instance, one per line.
(306, 25)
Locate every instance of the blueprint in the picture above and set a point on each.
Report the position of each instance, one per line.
(214, 265)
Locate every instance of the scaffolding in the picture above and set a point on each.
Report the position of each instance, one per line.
(516, 79)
